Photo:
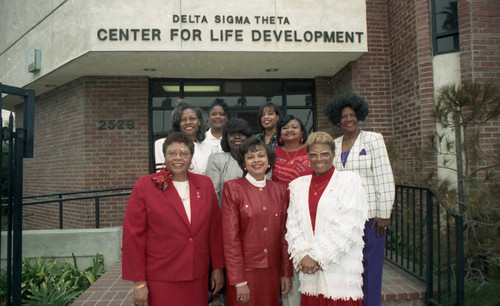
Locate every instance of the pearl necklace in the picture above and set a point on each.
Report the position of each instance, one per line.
(184, 185)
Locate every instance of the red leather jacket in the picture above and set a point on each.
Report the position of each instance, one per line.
(253, 228)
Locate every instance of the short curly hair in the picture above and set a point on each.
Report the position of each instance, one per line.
(320, 138)
(335, 106)
(254, 144)
(283, 121)
(179, 138)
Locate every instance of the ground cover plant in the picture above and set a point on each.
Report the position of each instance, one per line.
(47, 282)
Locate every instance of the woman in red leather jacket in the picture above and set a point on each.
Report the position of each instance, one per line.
(258, 266)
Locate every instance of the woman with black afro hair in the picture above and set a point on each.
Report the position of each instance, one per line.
(365, 153)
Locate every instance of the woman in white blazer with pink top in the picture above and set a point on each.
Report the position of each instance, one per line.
(365, 153)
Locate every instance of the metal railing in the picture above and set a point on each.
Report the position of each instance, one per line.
(421, 242)
(63, 197)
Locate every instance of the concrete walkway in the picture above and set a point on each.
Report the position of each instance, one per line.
(398, 288)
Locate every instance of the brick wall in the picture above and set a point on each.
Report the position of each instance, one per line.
(369, 76)
(73, 154)
(412, 83)
(118, 156)
(395, 75)
(324, 92)
(371, 73)
(57, 138)
(404, 73)
(479, 27)
(341, 82)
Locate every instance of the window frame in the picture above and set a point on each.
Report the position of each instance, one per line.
(455, 34)
(284, 108)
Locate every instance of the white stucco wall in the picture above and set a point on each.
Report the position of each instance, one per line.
(61, 244)
(446, 71)
(66, 32)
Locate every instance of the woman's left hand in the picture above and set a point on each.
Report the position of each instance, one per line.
(286, 284)
(217, 280)
(381, 226)
(308, 265)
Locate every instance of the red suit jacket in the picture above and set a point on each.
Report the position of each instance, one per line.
(254, 227)
(159, 243)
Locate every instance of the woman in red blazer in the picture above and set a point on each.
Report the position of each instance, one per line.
(172, 233)
(253, 222)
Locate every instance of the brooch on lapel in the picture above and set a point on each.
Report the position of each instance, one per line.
(161, 181)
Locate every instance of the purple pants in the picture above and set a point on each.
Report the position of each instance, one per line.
(373, 263)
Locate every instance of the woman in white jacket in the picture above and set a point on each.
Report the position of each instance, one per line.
(326, 218)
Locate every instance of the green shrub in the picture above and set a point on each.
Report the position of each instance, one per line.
(45, 282)
(52, 292)
(462, 113)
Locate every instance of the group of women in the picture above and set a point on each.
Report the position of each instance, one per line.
(275, 202)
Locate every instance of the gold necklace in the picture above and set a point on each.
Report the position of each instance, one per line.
(290, 159)
(320, 187)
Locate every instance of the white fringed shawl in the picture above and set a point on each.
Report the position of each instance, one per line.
(337, 243)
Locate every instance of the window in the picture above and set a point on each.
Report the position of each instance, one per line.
(445, 26)
(244, 97)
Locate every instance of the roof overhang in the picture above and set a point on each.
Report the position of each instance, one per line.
(192, 64)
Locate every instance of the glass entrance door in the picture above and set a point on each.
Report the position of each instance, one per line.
(244, 98)
(250, 115)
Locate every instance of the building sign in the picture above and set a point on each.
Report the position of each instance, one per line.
(227, 35)
(284, 26)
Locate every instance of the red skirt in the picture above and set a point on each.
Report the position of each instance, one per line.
(309, 300)
(193, 292)
(264, 285)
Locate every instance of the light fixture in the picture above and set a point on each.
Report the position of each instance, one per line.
(34, 60)
(149, 69)
(171, 88)
(272, 70)
(192, 88)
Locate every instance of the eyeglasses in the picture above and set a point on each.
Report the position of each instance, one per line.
(324, 155)
(182, 153)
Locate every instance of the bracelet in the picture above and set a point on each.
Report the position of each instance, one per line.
(241, 284)
(140, 286)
